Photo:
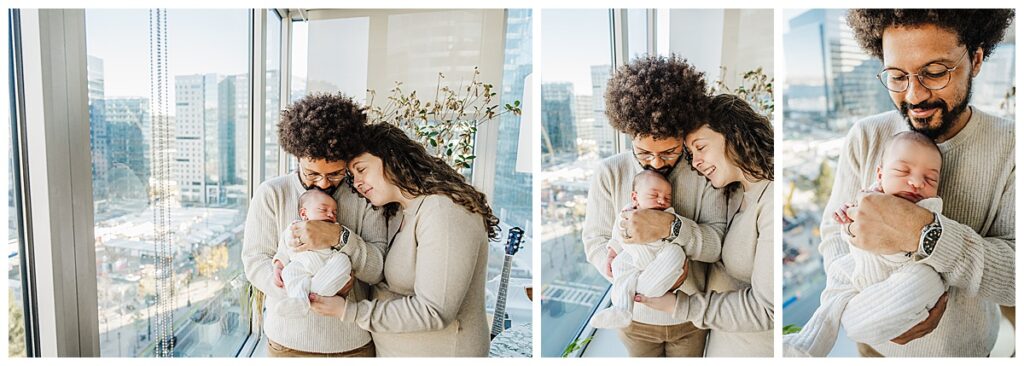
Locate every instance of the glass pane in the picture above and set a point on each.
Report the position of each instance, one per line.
(575, 136)
(298, 65)
(207, 102)
(513, 188)
(637, 33)
(273, 97)
(15, 294)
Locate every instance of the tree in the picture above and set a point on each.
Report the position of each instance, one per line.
(16, 335)
(823, 184)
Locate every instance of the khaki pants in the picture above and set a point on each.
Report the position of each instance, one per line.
(276, 350)
(646, 340)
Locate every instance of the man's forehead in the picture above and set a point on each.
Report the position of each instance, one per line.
(917, 46)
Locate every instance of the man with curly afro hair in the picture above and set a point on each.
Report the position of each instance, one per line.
(930, 58)
(317, 130)
(655, 100)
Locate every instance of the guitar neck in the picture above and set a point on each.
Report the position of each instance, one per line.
(498, 324)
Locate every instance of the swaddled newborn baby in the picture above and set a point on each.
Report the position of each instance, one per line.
(648, 269)
(323, 272)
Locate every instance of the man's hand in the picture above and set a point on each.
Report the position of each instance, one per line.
(608, 263)
(313, 235)
(682, 277)
(645, 225)
(348, 287)
(886, 224)
(278, 267)
(664, 303)
(928, 325)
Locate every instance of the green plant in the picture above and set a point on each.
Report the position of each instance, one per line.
(790, 329)
(756, 88)
(446, 125)
(575, 345)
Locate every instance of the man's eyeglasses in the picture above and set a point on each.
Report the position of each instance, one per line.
(648, 157)
(317, 177)
(934, 76)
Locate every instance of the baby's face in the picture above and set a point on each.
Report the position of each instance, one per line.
(320, 208)
(653, 193)
(910, 170)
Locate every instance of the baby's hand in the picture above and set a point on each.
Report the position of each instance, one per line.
(840, 214)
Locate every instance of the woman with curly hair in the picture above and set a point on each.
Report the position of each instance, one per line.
(431, 302)
(734, 151)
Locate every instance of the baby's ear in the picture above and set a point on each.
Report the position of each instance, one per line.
(878, 173)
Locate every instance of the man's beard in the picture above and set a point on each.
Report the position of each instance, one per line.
(664, 171)
(330, 190)
(948, 118)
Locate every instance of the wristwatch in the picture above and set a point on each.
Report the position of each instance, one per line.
(930, 235)
(342, 238)
(677, 225)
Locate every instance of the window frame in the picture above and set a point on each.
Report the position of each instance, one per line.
(49, 80)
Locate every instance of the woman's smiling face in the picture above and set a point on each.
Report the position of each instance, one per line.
(709, 158)
(368, 178)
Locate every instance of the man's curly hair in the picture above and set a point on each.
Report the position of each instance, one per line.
(974, 28)
(320, 126)
(749, 139)
(656, 96)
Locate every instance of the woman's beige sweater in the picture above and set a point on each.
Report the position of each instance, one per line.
(738, 306)
(431, 302)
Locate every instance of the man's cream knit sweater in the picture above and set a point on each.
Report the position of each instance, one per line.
(274, 206)
(975, 254)
(702, 207)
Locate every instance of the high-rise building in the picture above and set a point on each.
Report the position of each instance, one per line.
(128, 131)
(196, 138)
(558, 137)
(604, 134)
(232, 133)
(98, 140)
(583, 107)
(512, 198)
(847, 79)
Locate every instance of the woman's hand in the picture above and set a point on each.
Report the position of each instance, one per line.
(329, 306)
(664, 303)
(645, 225)
(928, 325)
(314, 235)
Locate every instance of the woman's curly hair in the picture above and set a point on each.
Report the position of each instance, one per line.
(975, 28)
(320, 126)
(408, 165)
(749, 140)
(656, 96)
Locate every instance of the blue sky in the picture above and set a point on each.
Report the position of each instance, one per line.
(574, 40)
(201, 41)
